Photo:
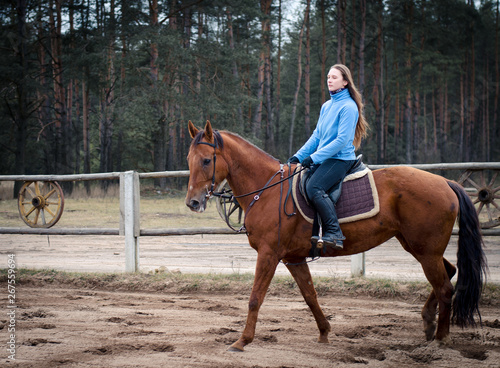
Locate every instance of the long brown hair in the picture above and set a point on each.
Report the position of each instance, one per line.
(362, 126)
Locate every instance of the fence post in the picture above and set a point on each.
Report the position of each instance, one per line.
(358, 265)
(129, 218)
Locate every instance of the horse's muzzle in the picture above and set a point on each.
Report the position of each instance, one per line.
(196, 205)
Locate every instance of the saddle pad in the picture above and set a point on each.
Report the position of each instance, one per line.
(358, 199)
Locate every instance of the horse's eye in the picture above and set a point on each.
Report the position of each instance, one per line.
(206, 161)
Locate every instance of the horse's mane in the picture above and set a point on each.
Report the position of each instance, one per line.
(243, 140)
(220, 141)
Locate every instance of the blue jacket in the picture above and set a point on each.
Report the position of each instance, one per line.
(334, 132)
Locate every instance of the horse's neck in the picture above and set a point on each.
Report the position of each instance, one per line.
(249, 167)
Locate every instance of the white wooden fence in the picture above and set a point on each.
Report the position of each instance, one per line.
(129, 210)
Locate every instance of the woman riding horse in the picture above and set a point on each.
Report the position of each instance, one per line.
(417, 207)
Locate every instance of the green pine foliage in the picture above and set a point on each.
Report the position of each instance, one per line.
(439, 56)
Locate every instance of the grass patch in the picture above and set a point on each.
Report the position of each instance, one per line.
(157, 210)
(236, 283)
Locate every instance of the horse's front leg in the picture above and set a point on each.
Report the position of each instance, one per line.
(302, 276)
(264, 272)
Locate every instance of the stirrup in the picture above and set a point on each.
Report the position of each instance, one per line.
(320, 242)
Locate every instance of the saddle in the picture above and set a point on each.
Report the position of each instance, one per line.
(355, 198)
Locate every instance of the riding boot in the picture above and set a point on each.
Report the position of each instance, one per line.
(332, 234)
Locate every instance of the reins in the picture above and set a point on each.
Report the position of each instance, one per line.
(281, 171)
(258, 193)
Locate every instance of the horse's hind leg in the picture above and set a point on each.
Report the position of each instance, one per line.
(430, 308)
(439, 277)
(302, 276)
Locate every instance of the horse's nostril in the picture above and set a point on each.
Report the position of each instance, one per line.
(194, 204)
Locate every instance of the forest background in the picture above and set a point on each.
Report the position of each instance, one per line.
(109, 85)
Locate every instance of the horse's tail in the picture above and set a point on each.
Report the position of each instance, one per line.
(471, 262)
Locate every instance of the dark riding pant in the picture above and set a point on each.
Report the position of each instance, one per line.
(323, 178)
(326, 175)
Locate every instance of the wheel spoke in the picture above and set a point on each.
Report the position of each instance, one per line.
(477, 201)
(46, 196)
(488, 210)
(37, 213)
(492, 181)
(232, 210)
(496, 205)
(464, 177)
(30, 211)
(473, 183)
(49, 211)
(28, 189)
(482, 178)
(480, 208)
(43, 216)
(37, 188)
(496, 189)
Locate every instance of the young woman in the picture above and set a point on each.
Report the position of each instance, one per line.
(329, 152)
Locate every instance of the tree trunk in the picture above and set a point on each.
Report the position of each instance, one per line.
(462, 120)
(496, 125)
(341, 31)
(307, 73)
(376, 83)
(352, 64)
(230, 35)
(297, 89)
(265, 7)
(19, 116)
(107, 100)
(61, 144)
(278, 78)
(159, 132)
(323, 52)
(362, 8)
(270, 143)
(408, 104)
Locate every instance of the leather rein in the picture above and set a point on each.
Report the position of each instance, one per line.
(226, 194)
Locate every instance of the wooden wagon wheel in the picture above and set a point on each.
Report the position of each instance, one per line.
(484, 194)
(40, 204)
(229, 209)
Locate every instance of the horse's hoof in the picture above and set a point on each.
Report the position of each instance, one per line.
(236, 347)
(429, 331)
(323, 340)
(444, 342)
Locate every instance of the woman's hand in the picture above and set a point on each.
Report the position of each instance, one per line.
(308, 162)
(293, 160)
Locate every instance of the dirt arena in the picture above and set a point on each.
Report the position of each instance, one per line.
(59, 325)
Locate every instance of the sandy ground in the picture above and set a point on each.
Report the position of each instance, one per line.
(208, 254)
(60, 327)
(74, 327)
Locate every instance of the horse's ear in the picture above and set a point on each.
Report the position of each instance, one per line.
(209, 133)
(192, 129)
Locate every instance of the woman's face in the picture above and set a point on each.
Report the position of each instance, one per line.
(335, 80)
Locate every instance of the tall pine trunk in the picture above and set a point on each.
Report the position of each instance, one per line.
(307, 73)
(297, 88)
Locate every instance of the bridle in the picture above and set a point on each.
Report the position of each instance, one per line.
(225, 194)
(211, 192)
(212, 186)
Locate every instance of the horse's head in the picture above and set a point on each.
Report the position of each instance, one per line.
(206, 168)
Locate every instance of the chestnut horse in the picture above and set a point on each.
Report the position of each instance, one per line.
(417, 207)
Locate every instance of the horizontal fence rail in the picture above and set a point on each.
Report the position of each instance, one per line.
(129, 209)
